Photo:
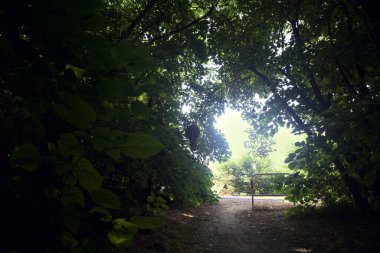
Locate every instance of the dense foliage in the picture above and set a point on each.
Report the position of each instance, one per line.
(317, 64)
(92, 128)
(233, 177)
(96, 96)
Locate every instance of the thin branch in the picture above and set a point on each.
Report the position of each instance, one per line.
(317, 92)
(137, 20)
(336, 59)
(156, 22)
(298, 89)
(181, 28)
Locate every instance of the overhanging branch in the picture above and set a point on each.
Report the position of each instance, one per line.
(181, 28)
(305, 65)
(138, 19)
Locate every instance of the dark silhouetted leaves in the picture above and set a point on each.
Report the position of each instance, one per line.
(26, 156)
(88, 177)
(105, 198)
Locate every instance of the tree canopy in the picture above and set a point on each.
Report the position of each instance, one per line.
(316, 63)
(93, 97)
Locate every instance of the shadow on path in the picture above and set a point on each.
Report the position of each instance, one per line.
(232, 227)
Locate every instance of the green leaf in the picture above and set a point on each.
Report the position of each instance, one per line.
(120, 239)
(290, 157)
(72, 195)
(78, 72)
(26, 157)
(69, 146)
(118, 134)
(75, 111)
(141, 145)
(68, 240)
(88, 177)
(147, 221)
(125, 226)
(105, 198)
(292, 165)
(114, 154)
(105, 215)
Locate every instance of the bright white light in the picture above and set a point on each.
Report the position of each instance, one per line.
(232, 125)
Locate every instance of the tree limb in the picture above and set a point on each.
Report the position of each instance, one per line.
(337, 62)
(284, 104)
(317, 92)
(299, 90)
(137, 20)
(181, 28)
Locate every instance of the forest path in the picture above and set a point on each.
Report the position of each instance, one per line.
(230, 226)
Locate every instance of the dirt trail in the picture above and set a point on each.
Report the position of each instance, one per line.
(232, 227)
(228, 226)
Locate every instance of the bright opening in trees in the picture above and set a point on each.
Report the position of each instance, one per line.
(251, 152)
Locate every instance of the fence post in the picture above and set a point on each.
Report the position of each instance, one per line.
(252, 190)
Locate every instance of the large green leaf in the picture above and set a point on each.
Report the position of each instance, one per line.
(147, 221)
(120, 239)
(75, 111)
(69, 146)
(105, 198)
(88, 177)
(141, 145)
(125, 226)
(26, 156)
(72, 195)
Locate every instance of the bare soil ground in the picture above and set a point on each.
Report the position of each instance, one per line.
(230, 226)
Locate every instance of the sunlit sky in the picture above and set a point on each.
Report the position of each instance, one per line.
(233, 127)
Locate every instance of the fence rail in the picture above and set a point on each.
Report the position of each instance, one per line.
(263, 195)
